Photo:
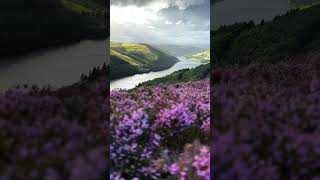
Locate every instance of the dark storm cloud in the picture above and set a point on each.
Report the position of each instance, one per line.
(195, 14)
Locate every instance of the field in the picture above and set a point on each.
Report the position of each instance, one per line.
(161, 132)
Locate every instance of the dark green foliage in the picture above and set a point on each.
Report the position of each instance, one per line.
(224, 37)
(121, 68)
(185, 75)
(28, 25)
(285, 36)
(303, 2)
(96, 74)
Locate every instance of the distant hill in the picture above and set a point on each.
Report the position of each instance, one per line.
(178, 50)
(127, 59)
(304, 3)
(85, 5)
(201, 56)
(28, 25)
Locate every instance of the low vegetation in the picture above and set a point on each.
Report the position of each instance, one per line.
(128, 59)
(201, 56)
(185, 75)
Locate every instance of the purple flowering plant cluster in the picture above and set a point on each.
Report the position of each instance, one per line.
(53, 135)
(152, 128)
(267, 121)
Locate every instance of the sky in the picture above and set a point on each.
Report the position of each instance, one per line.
(226, 12)
(181, 22)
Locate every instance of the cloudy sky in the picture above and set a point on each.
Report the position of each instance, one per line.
(161, 21)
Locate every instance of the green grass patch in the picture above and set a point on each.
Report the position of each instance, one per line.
(130, 58)
(201, 56)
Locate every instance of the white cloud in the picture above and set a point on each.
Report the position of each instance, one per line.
(131, 14)
(178, 22)
(159, 21)
(184, 4)
(168, 22)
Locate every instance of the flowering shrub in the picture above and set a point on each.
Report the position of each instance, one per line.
(193, 162)
(147, 123)
(53, 135)
(267, 121)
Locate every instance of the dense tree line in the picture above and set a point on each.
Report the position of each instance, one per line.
(32, 24)
(184, 75)
(96, 74)
(293, 33)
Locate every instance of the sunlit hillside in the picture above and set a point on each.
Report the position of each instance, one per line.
(201, 56)
(129, 58)
(83, 5)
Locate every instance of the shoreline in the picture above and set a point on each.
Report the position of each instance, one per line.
(52, 45)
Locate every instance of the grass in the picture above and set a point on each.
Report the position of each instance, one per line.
(137, 58)
(205, 55)
(124, 57)
(138, 49)
(135, 54)
(74, 6)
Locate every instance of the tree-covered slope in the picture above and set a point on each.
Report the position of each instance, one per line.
(127, 59)
(28, 25)
(185, 75)
(296, 32)
(304, 3)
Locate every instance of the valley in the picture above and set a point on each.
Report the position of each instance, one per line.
(128, 59)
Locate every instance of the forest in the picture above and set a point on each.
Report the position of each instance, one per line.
(28, 25)
(291, 34)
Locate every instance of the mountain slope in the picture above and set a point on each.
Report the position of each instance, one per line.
(178, 50)
(28, 25)
(201, 56)
(293, 33)
(304, 3)
(184, 75)
(127, 59)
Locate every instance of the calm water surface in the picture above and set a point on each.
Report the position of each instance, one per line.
(55, 67)
(132, 81)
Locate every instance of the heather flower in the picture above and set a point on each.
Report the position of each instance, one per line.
(144, 119)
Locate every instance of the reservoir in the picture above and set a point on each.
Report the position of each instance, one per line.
(132, 81)
(56, 67)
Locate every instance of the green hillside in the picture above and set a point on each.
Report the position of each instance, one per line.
(304, 3)
(28, 25)
(288, 35)
(185, 75)
(84, 5)
(178, 50)
(201, 56)
(127, 59)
